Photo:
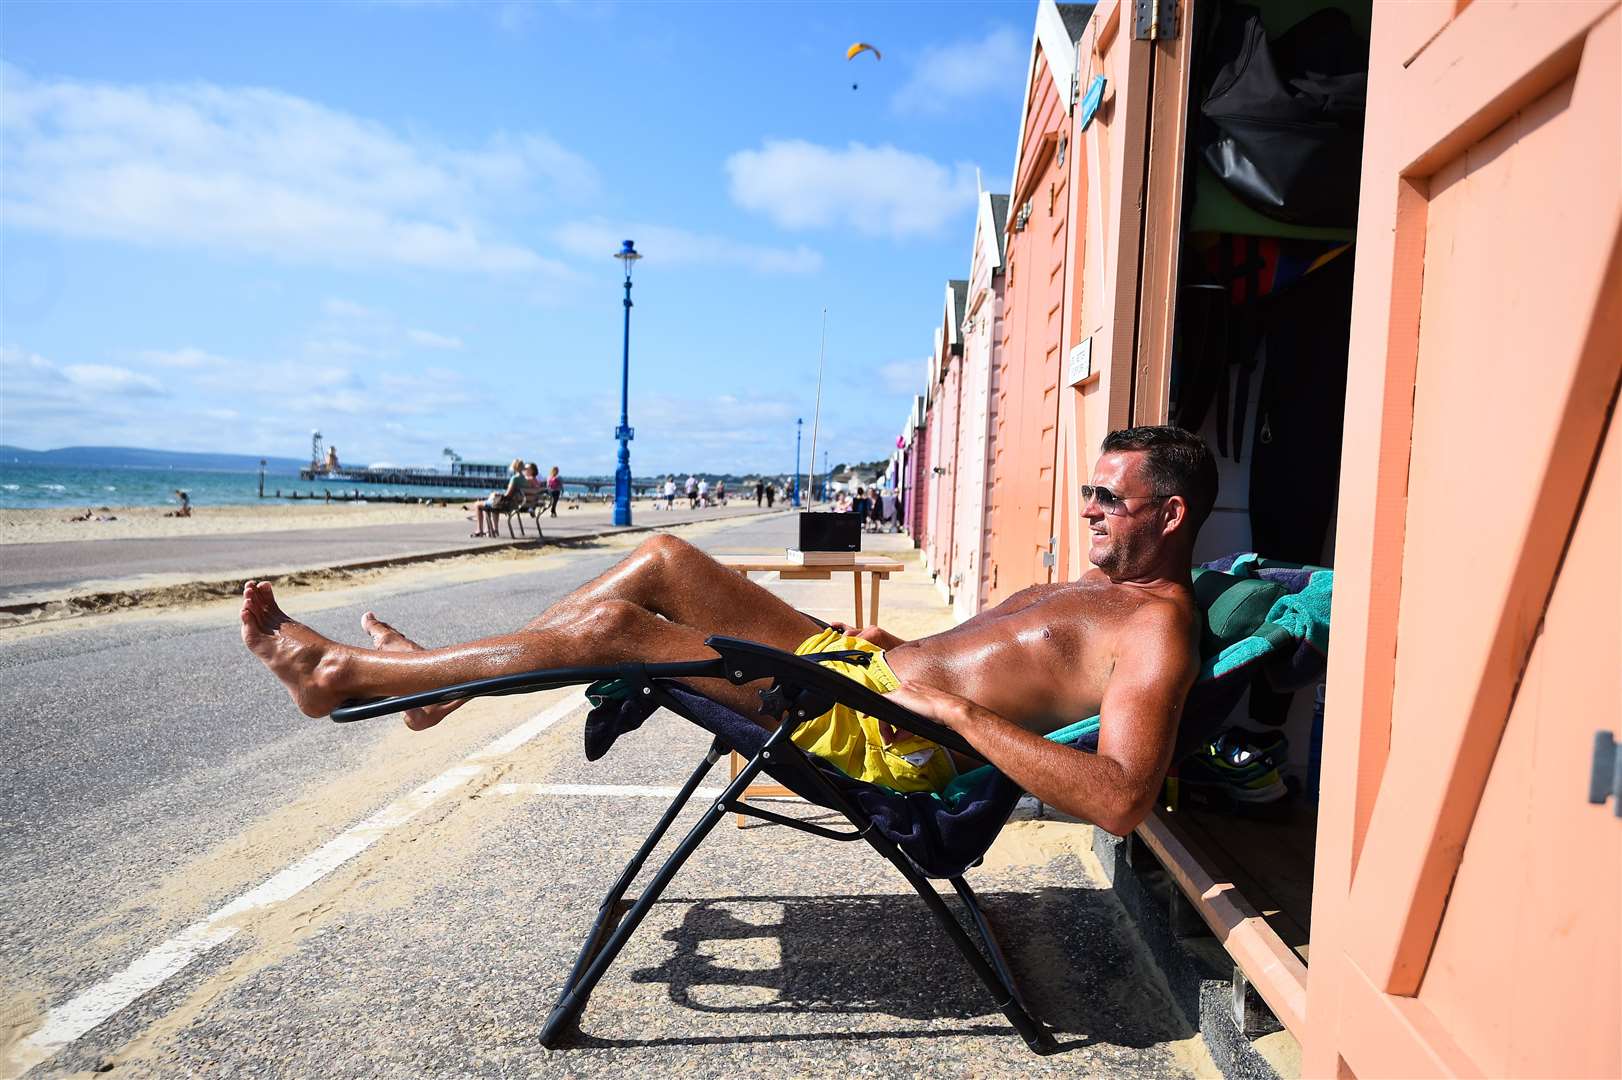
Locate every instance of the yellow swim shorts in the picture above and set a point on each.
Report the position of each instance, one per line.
(850, 740)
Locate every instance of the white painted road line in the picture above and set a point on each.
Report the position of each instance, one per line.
(601, 789)
(75, 1017)
(530, 728)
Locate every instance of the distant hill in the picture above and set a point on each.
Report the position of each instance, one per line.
(132, 456)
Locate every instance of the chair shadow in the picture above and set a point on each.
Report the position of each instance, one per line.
(1077, 962)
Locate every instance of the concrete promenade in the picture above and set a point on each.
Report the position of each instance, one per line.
(31, 573)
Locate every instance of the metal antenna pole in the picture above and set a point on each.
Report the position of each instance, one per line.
(816, 416)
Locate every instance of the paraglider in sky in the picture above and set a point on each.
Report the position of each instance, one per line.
(857, 49)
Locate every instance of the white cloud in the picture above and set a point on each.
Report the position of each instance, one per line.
(427, 339)
(347, 310)
(879, 190)
(597, 239)
(904, 376)
(349, 329)
(342, 347)
(106, 378)
(945, 76)
(402, 412)
(40, 399)
(259, 171)
(513, 16)
(188, 358)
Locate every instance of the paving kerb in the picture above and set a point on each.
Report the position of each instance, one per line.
(772, 954)
(68, 601)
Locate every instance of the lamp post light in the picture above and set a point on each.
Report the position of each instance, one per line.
(624, 433)
(794, 488)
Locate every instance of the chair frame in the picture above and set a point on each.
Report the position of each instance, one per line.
(800, 691)
(530, 506)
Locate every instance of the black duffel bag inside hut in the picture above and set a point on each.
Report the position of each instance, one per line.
(1282, 121)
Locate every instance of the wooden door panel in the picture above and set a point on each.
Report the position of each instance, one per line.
(1509, 400)
(1541, 874)
(1486, 351)
(1104, 255)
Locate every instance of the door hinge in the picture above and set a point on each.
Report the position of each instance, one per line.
(1605, 775)
(1154, 20)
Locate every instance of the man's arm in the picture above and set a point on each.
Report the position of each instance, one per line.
(1116, 787)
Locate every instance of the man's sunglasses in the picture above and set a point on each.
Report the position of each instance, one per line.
(1109, 501)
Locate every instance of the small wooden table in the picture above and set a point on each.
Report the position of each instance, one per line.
(877, 567)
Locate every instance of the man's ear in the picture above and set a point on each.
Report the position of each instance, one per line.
(1173, 514)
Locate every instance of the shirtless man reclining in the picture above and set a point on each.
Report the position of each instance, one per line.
(1122, 641)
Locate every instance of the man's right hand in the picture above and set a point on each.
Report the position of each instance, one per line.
(877, 635)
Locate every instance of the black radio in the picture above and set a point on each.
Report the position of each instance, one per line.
(830, 532)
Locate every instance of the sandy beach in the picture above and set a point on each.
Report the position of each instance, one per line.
(149, 522)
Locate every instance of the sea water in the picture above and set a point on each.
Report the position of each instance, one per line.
(47, 486)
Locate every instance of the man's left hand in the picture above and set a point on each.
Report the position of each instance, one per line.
(937, 705)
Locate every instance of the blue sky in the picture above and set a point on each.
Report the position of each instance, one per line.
(226, 224)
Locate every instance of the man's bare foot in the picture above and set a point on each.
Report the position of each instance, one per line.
(387, 639)
(294, 653)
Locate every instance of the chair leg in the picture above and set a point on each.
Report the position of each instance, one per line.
(988, 935)
(994, 975)
(581, 983)
(614, 907)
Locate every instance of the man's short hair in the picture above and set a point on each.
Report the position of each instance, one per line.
(1176, 462)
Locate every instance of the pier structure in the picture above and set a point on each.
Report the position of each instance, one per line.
(464, 475)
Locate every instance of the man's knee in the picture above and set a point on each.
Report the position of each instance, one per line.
(668, 551)
(611, 620)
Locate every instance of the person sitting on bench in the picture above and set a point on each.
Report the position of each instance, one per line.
(1122, 641)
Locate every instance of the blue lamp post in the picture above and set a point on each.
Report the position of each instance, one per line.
(624, 433)
(794, 488)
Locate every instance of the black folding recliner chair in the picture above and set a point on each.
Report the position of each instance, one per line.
(923, 835)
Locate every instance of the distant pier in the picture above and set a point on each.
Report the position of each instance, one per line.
(468, 477)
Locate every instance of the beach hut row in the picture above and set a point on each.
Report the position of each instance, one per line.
(1408, 365)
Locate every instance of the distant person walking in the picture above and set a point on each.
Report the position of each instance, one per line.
(721, 492)
(670, 493)
(692, 492)
(771, 495)
(554, 489)
(760, 492)
(704, 493)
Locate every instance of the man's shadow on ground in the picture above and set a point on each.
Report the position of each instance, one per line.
(1071, 950)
